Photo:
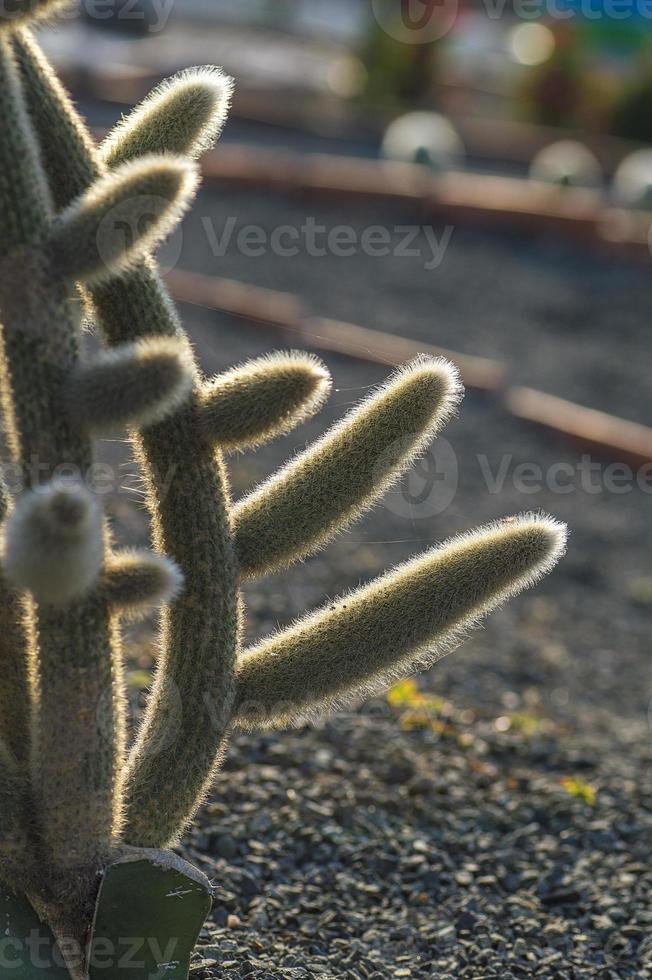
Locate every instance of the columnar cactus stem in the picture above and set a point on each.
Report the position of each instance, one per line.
(71, 768)
(16, 845)
(189, 710)
(15, 695)
(74, 779)
(16, 12)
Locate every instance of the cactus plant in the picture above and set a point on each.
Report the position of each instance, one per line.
(80, 811)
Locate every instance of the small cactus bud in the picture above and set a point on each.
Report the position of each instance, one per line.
(135, 582)
(122, 217)
(184, 114)
(262, 399)
(54, 543)
(137, 384)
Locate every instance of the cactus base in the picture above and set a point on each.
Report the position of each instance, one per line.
(150, 909)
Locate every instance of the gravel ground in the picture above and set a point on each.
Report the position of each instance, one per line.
(506, 832)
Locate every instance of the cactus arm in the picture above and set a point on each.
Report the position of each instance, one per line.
(136, 582)
(406, 619)
(184, 114)
(137, 384)
(335, 480)
(262, 399)
(121, 217)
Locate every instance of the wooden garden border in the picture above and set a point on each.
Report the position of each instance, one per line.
(480, 199)
(585, 428)
(585, 216)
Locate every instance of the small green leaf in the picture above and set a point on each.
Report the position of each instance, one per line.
(148, 917)
(30, 951)
(576, 786)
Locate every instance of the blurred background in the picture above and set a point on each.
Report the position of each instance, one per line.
(510, 74)
(473, 176)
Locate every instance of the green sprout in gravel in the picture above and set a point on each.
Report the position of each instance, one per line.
(76, 802)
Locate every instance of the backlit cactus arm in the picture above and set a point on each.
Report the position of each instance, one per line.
(404, 620)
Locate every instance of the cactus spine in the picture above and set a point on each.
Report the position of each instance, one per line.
(71, 795)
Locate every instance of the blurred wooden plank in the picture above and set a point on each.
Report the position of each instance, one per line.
(263, 306)
(586, 428)
(320, 111)
(317, 174)
(266, 307)
(460, 197)
(384, 348)
(513, 201)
